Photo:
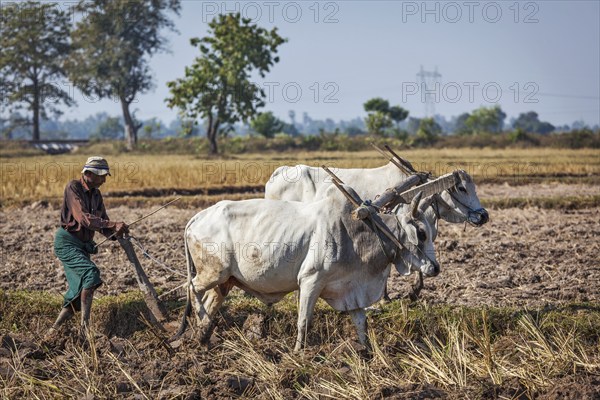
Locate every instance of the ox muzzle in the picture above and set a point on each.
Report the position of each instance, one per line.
(478, 217)
(431, 269)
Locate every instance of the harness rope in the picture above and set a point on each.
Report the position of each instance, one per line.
(136, 242)
(470, 210)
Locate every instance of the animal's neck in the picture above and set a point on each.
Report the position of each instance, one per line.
(447, 213)
(382, 243)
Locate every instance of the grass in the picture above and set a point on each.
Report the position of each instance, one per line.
(42, 177)
(417, 350)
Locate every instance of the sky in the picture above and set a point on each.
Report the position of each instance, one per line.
(527, 55)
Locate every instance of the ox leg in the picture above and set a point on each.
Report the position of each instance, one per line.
(416, 289)
(207, 297)
(359, 317)
(197, 304)
(211, 302)
(308, 298)
(193, 303)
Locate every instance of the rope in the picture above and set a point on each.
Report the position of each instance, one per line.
(470, 210)
(172, 290)
(136, 242)
(369, 203)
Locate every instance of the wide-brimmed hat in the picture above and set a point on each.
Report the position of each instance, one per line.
(96, 165)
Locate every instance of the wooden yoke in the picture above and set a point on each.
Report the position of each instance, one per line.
(403, 165)
(400, 165)
(389, 198)
(404, 162)
(404, 193)
(357, 203)
(435, 186)
(338, 183)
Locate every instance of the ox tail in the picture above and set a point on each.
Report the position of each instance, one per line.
(191, 269)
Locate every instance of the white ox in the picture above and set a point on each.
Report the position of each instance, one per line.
(270, 248)
(304, 183)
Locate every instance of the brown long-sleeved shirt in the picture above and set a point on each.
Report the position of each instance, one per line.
(83, 211)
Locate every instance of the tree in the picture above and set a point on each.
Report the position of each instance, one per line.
(380, 115)
(218, 85)
(111, 48)
(266, 124)
(377, 104)
(529, 122)
(110, 128)
(460, 124)
(34, 41)
(290, 129)
(152, 128)
(398, 114)
(184, 127)
(428, 132)
(292, 115)
(486, 120)
(378, 119)
(377, 122)
(14, 126)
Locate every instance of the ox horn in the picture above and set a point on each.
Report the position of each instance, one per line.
(414, 205)
(426, 203)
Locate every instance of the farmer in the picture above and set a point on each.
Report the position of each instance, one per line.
(82, 214)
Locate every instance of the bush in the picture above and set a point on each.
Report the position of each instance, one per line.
(577, 139)
(521, 136)
(326, 141)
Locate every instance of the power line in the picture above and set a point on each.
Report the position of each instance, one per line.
(572, 96)
(429, 88)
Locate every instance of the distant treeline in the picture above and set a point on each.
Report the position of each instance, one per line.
(198, 145)
(102, 126)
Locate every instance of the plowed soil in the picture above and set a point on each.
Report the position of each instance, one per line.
(523, 257)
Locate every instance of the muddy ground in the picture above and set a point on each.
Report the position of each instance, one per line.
(523, 257)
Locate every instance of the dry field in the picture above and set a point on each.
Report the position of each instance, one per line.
(29, 179)
(515, 312)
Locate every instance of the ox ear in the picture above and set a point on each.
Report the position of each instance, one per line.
(411, 234)
(414, 205)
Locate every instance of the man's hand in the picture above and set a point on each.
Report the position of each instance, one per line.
(121, 228)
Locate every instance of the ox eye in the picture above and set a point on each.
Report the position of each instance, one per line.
(421, 235)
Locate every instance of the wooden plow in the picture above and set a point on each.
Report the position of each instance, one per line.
(158, 312)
